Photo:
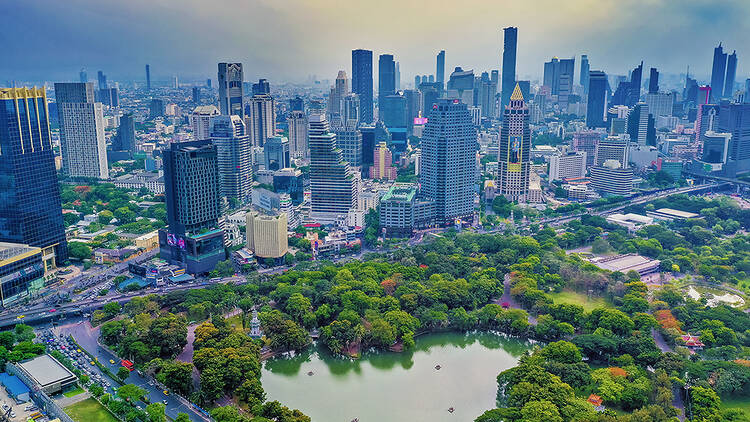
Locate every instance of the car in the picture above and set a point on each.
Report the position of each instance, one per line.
(21, 317)
(53, 310)
(165, 402)
(5, 407)
(12, 414)
(166, 392)
(92, 363)
(112, 361)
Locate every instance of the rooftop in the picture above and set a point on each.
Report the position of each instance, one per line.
(10, 252)
(677, 213)
(400, 193)
(46, 370)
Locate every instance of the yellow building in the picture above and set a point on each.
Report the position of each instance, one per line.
(266, 234)
(147, 241)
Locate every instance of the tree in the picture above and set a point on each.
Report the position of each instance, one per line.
(540, 411)
(124, 215)
(79, 250)
(562, 351)
(223, 269)
(251, 392)
(105, 217)
(24, 332)
(706, 405)
(182, 417)
(123, 373)
(156, 412)
(130, 392)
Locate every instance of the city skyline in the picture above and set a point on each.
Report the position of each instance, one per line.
(414, 36)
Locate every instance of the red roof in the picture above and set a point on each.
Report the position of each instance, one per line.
(312, 225)
(595, 400)
(692, 341)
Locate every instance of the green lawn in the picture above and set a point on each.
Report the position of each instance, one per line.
(89, 410)
(736, 403)
(74, 392)
(567, 296)
(235, 321)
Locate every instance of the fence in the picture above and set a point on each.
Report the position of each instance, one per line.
(40, 397)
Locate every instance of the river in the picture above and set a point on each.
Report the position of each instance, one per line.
(397, 387)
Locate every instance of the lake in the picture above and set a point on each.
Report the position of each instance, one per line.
(397, 387)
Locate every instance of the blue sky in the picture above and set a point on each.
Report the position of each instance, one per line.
(291, 39)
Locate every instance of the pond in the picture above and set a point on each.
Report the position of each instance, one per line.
(397, 387)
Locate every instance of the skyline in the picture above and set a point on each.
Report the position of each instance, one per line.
(283, 42)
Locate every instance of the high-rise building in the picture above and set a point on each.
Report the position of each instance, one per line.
(276, 153)
(349, 141)
(718, 72)
(102, 79)
(461, 86)
(386, 77)
(296, 104)
(397, 76)
(200, 120)
(157, 108)
(510, 41)
(559, 76)
(148, 78)
(261, 118)
(612, 179)
(196, 94)
(731, 75)
(392, 111)
(350, 110)
(83, 77)
(486, 89)
(30, 210)
(266, 234)
(660, 103)
(297, 122)
(262, 87)
(192, 193)
(514, 156)
(567, 165)
(362, 82)
(716, 147)
(382, 167)
(586, 141)
(333, 187)
(439, 71)
(229, 136)
(735, 119)
(653, 81)
(230, 89)
(634, 89)
(612, 148)
(585, 68)
(338, 92)
(637, 123)
(448, 161)
(82, 143)
(125, 138)
(747, 90)
(597, 99)
(430, 94)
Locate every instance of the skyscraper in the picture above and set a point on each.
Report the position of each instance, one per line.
(510, 41)
(382, 160)
(261, 118)
(82, 144)
(514, 153)
(440, 71)
(735, 119)
(196, 94)
(362, 82)
(386, 77)
(262, 87)
(82, 76)
(125, 138)
(30, 210)
(297, 122)
(102, 79)
(229, 135)
(585, 73)
(397, 76)
(653, 81)
(296, 104)
(333, 188)
(637, 123)
(230, 89)
(448, 161)
(731, 75)
(192, 192)
(200, 120)
(276, 153)
(597, 99)
(634, 89)
(148, 78)
(350, 110)
(339, 90)
(718, 71)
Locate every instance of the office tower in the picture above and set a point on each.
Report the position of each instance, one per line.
(338, 92)
(382, 164)
(447, 175)
(125, 138)
(559, 76)
(296, 104)
(200, 120)
(514, 153)
(350, 110)
(276, 153)
(660, 103)
(30, 210)
(747, 90)
(707, 119)
(612, 179)
(612, 148)
(510, 41)
(413, 107)
(568, 165)
(735, 119)
(637, 124)
(440, 71)
(230, 89)
(525, 88)
(362, 82)
(229, 136)
(102, 79)
(653, 81)
(716, 147)
(157, 108)
(349, 141)
(196, 94)
(266, 234)
(718, 71)
(597, 99)
(192, 192)
(261, 115)
(430, 94)
(333, 187)
(397, 76)
(148, 78)
(82, 76)
(731, 74)
(461, 85)
(417, 81)
(634, 91)
(368, 145)
(386, 77)
(617, 117)
(82, 144)
(297, 122)
(175, 82)
(393, 111)
(208, 83)
(586, 141)
(487, 90)
(585, 73)
(261, 88)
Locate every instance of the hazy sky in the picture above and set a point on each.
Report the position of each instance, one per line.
(290, 39)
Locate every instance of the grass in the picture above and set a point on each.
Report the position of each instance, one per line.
(89, 410)
(74, 392)
(235, 321)
(742, 403)
(574, 298)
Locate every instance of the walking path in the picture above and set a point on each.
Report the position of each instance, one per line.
(507, 298)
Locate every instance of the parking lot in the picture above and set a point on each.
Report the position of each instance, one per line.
(19, 412)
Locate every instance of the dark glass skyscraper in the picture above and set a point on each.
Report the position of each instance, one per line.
(731, 75)
(148, 77)
(102, 79)
(262, 87)
(634, 92)
(584, 73)
(653, 81)
(718, 71)
(362, 82)
(510, 42)
(386, 77)
(230, 89)
(30, 209)
(125, 138)
(597, 99)
(440, 71)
